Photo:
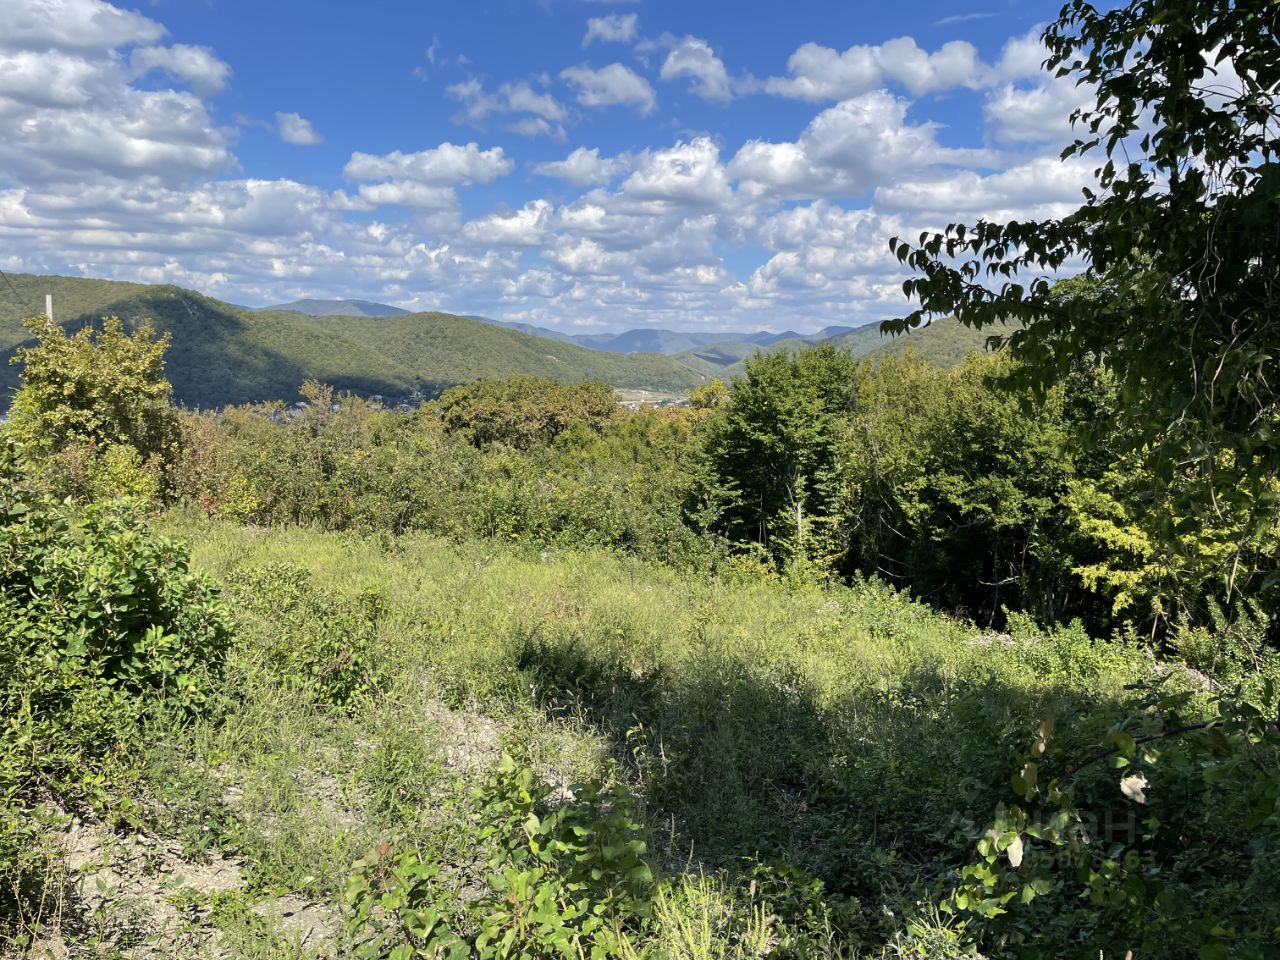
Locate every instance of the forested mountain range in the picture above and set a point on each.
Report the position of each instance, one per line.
(637, 340)
(337, 308)
(224, 354)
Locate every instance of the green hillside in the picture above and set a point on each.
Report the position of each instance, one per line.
(72, 297)
(337, 308)
(449, 349)
(944, 343)
(223, 354)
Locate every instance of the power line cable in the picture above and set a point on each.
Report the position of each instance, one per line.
(20, 297)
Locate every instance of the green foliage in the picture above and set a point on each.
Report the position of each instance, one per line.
(325, 648)
(119, 471)
(101, 623)
(709, 395)
(951, 488)
(624, 482)
(774, 447)
(565, 876)
(99, 598)
(96, 388)
(1186, 93)
(1229, 644)
(1164, 555)
(524, 411)
(1169, 855)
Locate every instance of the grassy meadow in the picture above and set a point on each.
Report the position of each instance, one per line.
(806, 765)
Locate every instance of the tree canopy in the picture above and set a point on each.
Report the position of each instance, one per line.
(1180, 236)
(94, 387)
(521, 411)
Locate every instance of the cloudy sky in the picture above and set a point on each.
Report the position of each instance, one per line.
(581, 165)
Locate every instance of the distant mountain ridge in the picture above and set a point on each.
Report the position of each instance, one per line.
(636, 340)
(336, 308)
(223, 354)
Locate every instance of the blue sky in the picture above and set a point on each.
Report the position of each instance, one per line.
(581, 165)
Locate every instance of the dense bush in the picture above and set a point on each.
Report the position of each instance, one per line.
(101, 623)
(951, 489)
(627, 485)
(976, 498)
(523, 412)
(93, 416)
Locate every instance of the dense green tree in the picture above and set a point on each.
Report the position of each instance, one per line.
(709, 395)
(1181, 238)
(522, 411)
(774, 447)
(96, 388)
(952, 490)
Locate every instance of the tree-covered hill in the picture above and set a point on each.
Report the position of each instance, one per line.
(944, 343)
(222, 354)
(24, 295)
(338, 308)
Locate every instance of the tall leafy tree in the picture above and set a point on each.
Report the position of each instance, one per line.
(1180, 234)
(96, 387)
(775, 446)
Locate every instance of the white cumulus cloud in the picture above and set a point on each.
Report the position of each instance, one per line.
(446, 164)
(847, 149)
(83, 26)
(686, 173)
(821, 73)
(615, 28)
(583, 167)
(614, 85)
(526, 227)
(540, 113)
(297, 130)
(694, 58)
(195, 65)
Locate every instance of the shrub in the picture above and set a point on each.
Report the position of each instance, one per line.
(524, 411)
(100, 622)
(119, 471)
(96, 386)
(93, 414)
(326, 647)
(563, 880)
(95, 598)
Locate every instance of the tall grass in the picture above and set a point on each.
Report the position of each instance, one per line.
(850, 735)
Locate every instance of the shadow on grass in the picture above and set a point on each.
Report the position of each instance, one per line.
(881, 787)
